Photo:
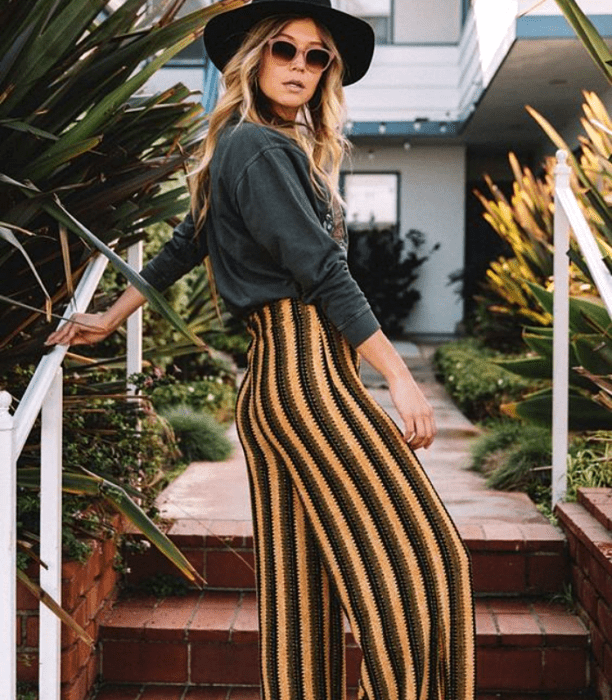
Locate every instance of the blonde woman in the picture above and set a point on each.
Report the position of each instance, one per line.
(345, 520)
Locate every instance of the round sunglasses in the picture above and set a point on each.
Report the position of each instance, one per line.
(284, 52)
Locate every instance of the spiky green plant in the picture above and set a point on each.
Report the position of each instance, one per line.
(83, 150)
(83, 153)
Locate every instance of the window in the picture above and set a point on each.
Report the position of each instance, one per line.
(371, 200)
(376, 12)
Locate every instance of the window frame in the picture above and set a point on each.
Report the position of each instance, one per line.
(398, 179)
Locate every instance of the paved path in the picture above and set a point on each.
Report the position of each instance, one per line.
(218, 492)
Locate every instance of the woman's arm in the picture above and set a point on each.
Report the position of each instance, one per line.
(414, 409)
(83, 329)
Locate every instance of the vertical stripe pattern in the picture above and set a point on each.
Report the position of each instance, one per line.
(345, 520)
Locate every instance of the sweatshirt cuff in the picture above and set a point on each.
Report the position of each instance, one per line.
(360, 326)
(155, 276)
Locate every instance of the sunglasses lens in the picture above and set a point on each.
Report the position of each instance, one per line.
(283, 51)
(317, 59)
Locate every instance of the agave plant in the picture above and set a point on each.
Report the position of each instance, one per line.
(83, 153)
(83, 149)
(588, 35)
(590, 367)
(525, 223)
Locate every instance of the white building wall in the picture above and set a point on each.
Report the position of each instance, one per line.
(427, 21)
(432, 200)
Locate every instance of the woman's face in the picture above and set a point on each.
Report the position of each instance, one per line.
(290, 84)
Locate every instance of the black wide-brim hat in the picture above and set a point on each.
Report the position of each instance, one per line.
(354, 37)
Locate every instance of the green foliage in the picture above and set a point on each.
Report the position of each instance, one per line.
(517, 456)
(473, 379)
(189, 297)
(73, 123)
(200, 437)
(516, 470)
(589, 463)
(588, 35)
(215, 395)
(26, 691)
(590, 364)
(385, 265)
(525, 223)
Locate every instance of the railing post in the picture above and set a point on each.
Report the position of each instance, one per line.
(51, 538)
(134, 322)
(8, 554)
(560, 400)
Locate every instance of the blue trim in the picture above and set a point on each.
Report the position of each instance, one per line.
(556, 27)
(414, 129)
(210, 88)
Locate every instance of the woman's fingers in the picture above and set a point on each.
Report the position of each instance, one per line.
(415, 412)
(81, 329)
(420, 430)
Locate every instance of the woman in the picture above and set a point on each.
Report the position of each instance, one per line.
(344, 518)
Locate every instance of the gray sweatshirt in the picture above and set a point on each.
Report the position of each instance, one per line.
(268, 234)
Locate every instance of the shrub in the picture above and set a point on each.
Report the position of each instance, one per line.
(200, 437)
(214, 395)
(386, 272)
(476, 384)
(516, 457)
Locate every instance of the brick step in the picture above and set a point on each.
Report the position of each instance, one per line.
(598, 502)
(211, 638)
(507, 559)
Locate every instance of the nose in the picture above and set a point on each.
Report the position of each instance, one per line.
(299, 60)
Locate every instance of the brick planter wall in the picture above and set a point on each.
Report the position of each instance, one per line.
(588, 526)
(87, 591)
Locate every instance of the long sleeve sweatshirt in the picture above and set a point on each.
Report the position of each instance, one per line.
(268, 234)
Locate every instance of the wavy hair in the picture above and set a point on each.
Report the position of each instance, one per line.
(317, 128)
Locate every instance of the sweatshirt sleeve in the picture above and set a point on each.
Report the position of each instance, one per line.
(272, 195)
(178, 256)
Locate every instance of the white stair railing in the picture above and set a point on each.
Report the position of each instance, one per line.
(43, 396)
(568, 215)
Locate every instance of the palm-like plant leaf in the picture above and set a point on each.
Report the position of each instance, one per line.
(52, 604)
(94, 485)
(588, 35)
(73, 123)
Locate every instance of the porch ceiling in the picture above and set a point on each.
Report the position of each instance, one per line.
(549, 75)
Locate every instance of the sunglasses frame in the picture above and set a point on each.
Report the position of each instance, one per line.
(303, 52)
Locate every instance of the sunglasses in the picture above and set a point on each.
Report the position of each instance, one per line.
(284, 52)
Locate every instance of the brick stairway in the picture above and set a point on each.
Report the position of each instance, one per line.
(203, 646)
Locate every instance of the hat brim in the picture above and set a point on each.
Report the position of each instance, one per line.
(354, 38)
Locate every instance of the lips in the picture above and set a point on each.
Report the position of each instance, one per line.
(294, 83)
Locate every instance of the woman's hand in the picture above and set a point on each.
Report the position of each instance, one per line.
(81, 329)
(415, 411)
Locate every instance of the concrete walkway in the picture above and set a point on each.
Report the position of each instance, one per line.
(216, 495)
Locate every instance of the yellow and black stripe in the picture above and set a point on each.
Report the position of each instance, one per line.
(345, 519)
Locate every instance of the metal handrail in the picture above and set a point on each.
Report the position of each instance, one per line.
(43, 395)
(568, 215)
(32, 400)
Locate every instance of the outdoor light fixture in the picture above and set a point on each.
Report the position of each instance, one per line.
(443, 129)
(382, 128)
(371, 154)
(407, 145)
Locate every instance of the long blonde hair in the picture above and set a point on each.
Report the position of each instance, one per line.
(317, 129)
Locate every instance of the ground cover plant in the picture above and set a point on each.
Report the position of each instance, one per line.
(477, 384)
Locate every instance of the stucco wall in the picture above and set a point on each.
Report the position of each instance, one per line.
(432, 200)
(427, 21)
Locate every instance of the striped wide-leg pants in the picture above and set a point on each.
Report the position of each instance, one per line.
(345, 521)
